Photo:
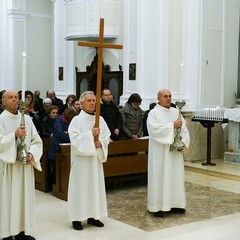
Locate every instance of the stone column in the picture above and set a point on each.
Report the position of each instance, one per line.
(64, 58)
(158, 37)
(13, 42)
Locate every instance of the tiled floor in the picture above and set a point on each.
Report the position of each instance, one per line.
(213, 211)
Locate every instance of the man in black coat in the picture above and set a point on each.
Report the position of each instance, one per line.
(55, 101)
(111, 114)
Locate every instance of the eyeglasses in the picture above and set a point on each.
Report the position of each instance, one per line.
(137, 103)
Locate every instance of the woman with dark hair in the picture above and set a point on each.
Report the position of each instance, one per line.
(29, 110)
(132, 116)
(29, 100)
(68, 103)
(47, 123)
(76, 105)
(60, 135)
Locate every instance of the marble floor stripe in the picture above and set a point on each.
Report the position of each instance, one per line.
(127, 203)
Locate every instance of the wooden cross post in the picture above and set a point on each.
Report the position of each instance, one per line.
(99, 45)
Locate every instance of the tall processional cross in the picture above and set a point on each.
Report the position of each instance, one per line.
(99, 45)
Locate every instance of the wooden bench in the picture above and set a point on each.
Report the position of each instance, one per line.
(41, 178)
(125, 158)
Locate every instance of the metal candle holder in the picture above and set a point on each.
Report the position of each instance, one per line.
(22, 153)
(177, 143)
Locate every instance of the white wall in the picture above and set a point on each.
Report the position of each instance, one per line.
(26, 26)
(40, 45)
(1, 46)
(179, 33)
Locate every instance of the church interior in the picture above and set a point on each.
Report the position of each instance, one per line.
(189, 47)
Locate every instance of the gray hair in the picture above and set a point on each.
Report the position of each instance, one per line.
(47, 101)
(82, 97)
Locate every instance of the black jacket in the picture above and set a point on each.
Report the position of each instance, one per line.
(112, 117)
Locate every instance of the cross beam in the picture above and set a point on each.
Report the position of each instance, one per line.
(99, 45)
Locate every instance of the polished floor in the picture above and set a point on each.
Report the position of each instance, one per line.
(213, 210)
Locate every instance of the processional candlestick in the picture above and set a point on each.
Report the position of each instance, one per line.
(178, 143)
(22, 153)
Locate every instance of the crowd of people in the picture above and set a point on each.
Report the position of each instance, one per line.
(127, 122)
(74, 122)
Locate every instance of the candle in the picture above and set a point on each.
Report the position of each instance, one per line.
(23, 76)
(181, 81)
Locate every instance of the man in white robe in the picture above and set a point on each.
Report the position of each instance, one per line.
(166, 184)
(17, 185)
(86, 191)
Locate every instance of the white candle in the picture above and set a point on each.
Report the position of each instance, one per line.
(181, 81)
(24, 76)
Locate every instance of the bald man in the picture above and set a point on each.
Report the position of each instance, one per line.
(166, 190)
(17, 178)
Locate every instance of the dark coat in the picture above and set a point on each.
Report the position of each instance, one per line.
(38, 105)
(60, 135)
(112, 117)
(57, 102)
(132, 121)
(145, 116)
(46, 126)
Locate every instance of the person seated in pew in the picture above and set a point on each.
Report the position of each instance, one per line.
(151, 106)
(111, 114)
(47, 102)
(38, 101)
(29, 110)
(55, 100)
(76, 105)
(68, 103)
(60, 135)
(47, 123)
(132, 116)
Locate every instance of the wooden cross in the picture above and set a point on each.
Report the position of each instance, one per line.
(99, 45)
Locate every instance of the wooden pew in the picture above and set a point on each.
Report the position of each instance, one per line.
(125, 158)
(41, 178)
(63, 161)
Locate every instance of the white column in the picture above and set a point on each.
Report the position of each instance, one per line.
(192, 48)
(3, 50)
(154, 39)
(63, 55)
(150, 42)
(13, 42)
(146, 44)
